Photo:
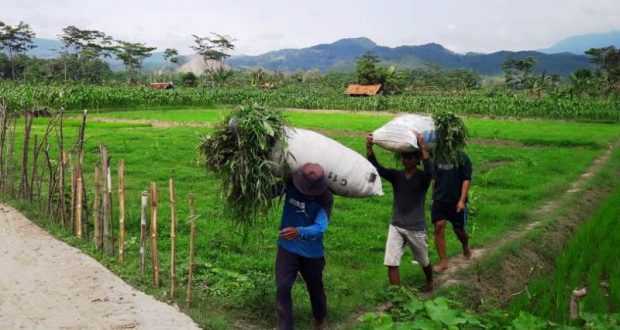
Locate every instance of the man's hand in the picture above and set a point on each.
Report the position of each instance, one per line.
(369, 142)
(460, 206)
(420, 140)
(421, 145)
(289, 233)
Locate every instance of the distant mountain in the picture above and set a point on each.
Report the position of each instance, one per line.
(579, 44)
(50, 48)
(45, 48)
(340, 56)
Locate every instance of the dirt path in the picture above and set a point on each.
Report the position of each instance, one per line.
(458, 263)
(47, 284)
(171, 124)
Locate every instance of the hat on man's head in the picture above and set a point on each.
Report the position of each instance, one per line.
(310, 179)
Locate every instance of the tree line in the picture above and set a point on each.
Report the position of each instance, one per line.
(82, 59)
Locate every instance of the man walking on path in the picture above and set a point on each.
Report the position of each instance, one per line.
(307, 207)
(450, 188)
(408, 226)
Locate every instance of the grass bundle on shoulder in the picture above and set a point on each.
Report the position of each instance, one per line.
(238, 152)
(451, 135)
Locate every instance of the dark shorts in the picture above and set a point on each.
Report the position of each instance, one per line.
(447, 211)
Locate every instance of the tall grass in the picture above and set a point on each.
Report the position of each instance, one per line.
(590, 260)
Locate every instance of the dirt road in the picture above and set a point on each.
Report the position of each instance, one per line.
(47, 284)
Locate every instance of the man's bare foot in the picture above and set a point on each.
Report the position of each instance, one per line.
(467, 253)
(428, 288)
(320, 324)
(440, 267)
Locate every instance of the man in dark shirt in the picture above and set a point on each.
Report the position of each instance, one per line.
(408, 226)
(307, 207)
(450, 187)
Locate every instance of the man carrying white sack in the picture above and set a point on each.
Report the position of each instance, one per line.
(407, 226)
(450, 188)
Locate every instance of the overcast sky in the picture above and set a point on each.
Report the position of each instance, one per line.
(265, 25)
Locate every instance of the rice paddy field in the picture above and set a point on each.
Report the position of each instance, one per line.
(519, 165)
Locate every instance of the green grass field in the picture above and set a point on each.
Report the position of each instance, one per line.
(589, 260)
(235, 279)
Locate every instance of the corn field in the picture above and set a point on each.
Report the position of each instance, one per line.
(76, 97)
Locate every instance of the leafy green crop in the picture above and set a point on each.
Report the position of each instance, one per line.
(451, 134)
(239, 151)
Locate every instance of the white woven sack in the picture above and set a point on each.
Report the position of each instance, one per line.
(397, 135)
(348, 173)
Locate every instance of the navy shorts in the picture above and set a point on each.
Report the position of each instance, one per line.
(447, 211)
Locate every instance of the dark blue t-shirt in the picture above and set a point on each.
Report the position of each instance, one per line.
(310, 216)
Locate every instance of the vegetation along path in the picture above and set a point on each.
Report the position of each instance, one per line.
(47, 284)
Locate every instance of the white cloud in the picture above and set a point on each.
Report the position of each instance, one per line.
(260, 26)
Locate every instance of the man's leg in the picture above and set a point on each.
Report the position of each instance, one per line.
(418, 242)
(312, 271)
(287, 265)
(428, 273)
(458, 225)
(464, 238)
(394, 248)
(394, 275)
(440, 243)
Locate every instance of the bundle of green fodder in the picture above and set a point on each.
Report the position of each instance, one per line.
(451, 133)
(239, 153)
(253, 149)
(445, 133)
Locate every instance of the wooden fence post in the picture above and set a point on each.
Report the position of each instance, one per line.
(154, 256)
(96, 210)
(173, 273)
(23, 177)
(192, 237)
(121, 210)
(144, 203)
(108, 247)
(78, 203)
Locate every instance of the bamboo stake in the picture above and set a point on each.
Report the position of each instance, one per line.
(173, 273)
(3, 130)
(9, 161)
(51, 185)
(192, 237)
(154, 256)
(23, 178)
(73, 184)
(96, 219)
(81, 221)
(33, 177)
(121, 206)
(63, 157)
(144, 203)
(108, 247)
(78, 203)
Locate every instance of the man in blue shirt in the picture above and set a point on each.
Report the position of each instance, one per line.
(307, 207)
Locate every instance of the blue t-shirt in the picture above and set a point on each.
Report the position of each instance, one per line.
(310, 217)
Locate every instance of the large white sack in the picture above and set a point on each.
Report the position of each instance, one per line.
(397, 135)
(348, 173)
